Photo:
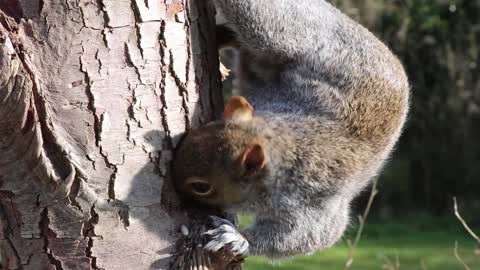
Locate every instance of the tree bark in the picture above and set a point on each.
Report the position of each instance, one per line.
(94, 96)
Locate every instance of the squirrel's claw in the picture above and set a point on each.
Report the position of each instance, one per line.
(225, 235)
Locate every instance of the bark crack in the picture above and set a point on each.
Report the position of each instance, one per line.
(67, 5)
(37, 201)
(130, 63)
(111, 183)
(97, 57)
(6, 196)
(74, 187)
(163, 72)
(88, 253)
(189, 44)
(89, 158)
(123, 213)
(28, 259)
(106, 21)
(131, 114)
(103, 8)
(105, 38)
(129, 133)
(131, 106)
(8, 231)
(97, 128)
(138, 21)
(88, 231)
(14, 250)
(182, 87)
(84, 22)
(46, 233)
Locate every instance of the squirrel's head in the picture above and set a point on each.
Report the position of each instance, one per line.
(222, 164)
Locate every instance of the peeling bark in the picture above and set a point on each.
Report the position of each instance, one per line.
(94, 97)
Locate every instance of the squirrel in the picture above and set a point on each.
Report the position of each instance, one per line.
(322, 104)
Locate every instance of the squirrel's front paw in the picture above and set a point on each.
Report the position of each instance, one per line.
(225, 235)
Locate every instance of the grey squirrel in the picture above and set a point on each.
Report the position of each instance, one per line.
(322, 104)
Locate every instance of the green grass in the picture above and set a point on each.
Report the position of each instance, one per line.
(414, 241)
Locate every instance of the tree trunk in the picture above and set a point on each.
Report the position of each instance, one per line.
(94, 95)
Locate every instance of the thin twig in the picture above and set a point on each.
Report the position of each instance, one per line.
(423, 265)
(465, 225)
(362, 219)
(455, 252)
(468, 229)
(397, 260)
(389, 264)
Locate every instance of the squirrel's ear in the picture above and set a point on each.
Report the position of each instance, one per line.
(238, 108)
(253, 160)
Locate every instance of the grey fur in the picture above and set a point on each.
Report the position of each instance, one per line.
(330, 102)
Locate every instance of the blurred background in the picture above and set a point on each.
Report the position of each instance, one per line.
(412, 224)
(439, 154)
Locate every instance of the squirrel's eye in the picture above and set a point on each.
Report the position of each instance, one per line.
(200, 187)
